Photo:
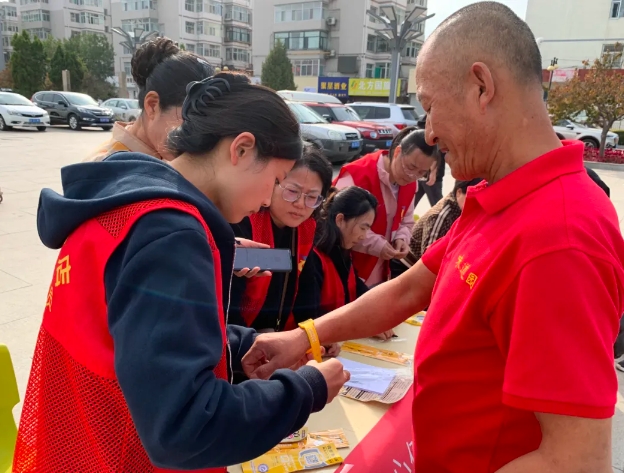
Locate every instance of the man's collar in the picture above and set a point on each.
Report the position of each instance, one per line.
(536, 174)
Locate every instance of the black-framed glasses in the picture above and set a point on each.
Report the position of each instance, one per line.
(292, 195)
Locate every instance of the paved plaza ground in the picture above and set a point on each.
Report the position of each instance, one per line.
(29, 161)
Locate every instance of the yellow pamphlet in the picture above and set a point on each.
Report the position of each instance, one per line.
(336, 436)
(377, 353)
(297, 436)
(417, 319)
(295, 460)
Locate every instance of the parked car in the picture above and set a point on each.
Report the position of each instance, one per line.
(74, 109)
(296, 96)
(126, 110)
(375, 135)
(340, 143)
(397, 115)
(17, 110)
(569, 130)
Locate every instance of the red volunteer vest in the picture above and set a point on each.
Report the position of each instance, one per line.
(365, 175)
(257, 288)
(75, 417)
(332, 290)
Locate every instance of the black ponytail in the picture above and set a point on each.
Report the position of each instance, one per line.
(411, 138)
(352, 202)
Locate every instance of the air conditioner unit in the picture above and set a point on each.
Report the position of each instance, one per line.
(331, 53)
(331, 21)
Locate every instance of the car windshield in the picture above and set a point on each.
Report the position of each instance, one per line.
(133, 104)
(14, 99)
(409, 113)
(345, 114)
(305, 114)
(80, 99)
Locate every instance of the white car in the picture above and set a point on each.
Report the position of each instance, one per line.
(17, 110)
(398, 116)
(569, 130)
(125, 110)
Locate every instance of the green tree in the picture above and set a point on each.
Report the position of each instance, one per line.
(277, 69)
(49, 46)
(28, 64)
(66, 60)
(57, 65)
(600, 94)
(95, 52)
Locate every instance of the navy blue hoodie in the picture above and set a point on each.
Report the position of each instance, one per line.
(162, 315)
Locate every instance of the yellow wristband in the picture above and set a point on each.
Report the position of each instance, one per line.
(315, 344)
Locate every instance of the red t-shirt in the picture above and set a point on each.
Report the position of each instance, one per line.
(523, 317)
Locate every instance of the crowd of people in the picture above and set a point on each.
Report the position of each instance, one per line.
(156, 355)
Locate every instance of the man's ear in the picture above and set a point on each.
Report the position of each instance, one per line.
(481, 75)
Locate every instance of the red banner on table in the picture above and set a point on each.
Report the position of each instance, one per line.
(389, 447)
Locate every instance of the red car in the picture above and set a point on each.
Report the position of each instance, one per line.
(375, 136)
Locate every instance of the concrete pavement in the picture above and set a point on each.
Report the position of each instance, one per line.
(29, 161)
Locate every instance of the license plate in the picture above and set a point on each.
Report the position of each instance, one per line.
(104, 120)
(34, 120)
(355, 144)
(389, 143)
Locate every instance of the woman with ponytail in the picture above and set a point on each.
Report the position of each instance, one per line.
(391, 177)
(329, 278)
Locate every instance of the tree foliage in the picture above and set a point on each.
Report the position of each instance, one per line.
(28, 64)
(277, 69)
(95, 52)
(6, 79)
(599, 93)
(66, 60)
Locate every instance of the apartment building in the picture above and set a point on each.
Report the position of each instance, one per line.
(332, 38)
(576, 30)
(220, 31)
(65, 18)
(9, 25)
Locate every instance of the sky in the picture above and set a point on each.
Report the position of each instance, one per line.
(445, 8)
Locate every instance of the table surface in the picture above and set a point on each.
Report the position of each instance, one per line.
(358, 418)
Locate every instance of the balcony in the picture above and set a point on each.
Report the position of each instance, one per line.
(303, 40)
(237, 35)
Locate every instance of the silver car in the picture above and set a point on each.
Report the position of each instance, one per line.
(125, 110)
(397, 115)
(569, 130)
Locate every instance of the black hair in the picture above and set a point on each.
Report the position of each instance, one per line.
(411, 138)
(422, 121)
(228, 104)
(352, 202)
(159, 65)
(464, 185)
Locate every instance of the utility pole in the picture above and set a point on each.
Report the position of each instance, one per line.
(398, 35)
(2, 61)
(552, 68)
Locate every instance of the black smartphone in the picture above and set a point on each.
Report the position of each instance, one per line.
(267, 259)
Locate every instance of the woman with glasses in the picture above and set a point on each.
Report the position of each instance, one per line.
(266, 303)
(391, 177)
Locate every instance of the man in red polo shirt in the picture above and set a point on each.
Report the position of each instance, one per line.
(514, 367)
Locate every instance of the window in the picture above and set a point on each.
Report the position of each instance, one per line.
(127, 68)
(241, 35)
(190, 47)
(214, 8)
(299, 12)
(411, 49)
(236, 54)
(409, 113)
(376, 12)
(147, 24)
(6, 41)
(369, 71)
(87, 17)
(375, 44)
(10, 27)
(615, 51)
(190, 27)
(616, 8)
(10, 12)
(210, 50)
(300, 40)
(382, 112)
(89, 3)
(189, 5)
(36, 15)
(208, 28)
(29, 2)
(237, 13)
(382, 70)
(41, 33)
(135, 5)
(306, 67)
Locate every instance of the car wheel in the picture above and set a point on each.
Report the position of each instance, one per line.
(42, 128)
(3, 125)
(73, 122)
(107, 128)
(591, 143)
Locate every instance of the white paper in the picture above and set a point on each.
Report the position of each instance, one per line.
(367, 377)
(397, 390)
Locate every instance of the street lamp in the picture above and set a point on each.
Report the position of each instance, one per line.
(552, 68)
(135, 39)
(398, 35)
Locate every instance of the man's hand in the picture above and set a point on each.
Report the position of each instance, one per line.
(332, 350)
(401, 247)
(335, 376)
(253, 272)
(272, 351)
(388, 252)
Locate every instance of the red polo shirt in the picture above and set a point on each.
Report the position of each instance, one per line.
(523, 318)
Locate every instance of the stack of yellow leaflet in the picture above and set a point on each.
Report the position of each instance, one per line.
(295, 459)
(377, 353)
(416, 320)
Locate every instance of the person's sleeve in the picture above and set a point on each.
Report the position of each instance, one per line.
(240, 340)
(163, 318)
(372, 244)
(404, 232)
(345, 181)
(238, 286)
(556, 324)
(308, 302)
(360, 286)
(433, 256)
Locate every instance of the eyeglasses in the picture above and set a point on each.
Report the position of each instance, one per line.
(416, 174)
(292, 195)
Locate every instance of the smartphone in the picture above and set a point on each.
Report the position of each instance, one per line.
(267, 259)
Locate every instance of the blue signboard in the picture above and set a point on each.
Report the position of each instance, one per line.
(336, 86)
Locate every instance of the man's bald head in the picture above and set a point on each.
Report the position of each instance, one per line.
(492, 33)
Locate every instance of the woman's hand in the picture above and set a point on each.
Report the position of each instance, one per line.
(388, 252)
(387, 335)
(253, 272)
(401, 247)
(332, 350)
